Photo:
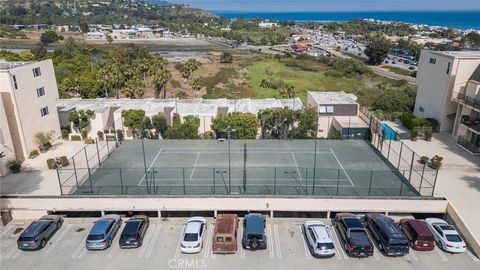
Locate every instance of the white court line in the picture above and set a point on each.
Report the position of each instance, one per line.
(308, 255)
(153, 241)
(206, 250)
(474, 258)
(146, 241)
(296, 165)
(341, 166)
(256, 179)
(151, 165)
(277, 237)
(194, 166)
(440, 253)
(55, 242)
(340, 246)
(270, 244)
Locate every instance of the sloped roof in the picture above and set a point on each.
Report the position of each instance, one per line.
(475, 75)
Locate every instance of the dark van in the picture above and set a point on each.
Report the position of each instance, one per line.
(390, 238)
(418, 234)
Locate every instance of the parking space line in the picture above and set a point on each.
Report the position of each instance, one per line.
(308, 256)
(277, 237)
(412, 254)
(147, 239)
(7, 229)
(270, 244)
(177, 251)
(114, 249)
(332, 231)
(440, 253)
(206, 249)
(375, 253)
(153, 241)
(337, 239)
(242, 252)
(474, 258)
(13, 251)
(49, 249)
(77, 252)
(16, 253)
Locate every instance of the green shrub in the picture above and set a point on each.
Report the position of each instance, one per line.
(51, 163)
(33, 154)
(89, 140)
(120, 135)
(419, 122)
(428, 135)
(64, 161)
(84, 134)
(65, 134)
(100, 135)
(423, 160)
(407, 120)
(436, 162)
(75, 138)
(15, 164)
(44, 140)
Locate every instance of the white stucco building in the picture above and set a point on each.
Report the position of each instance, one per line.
(449, 91)
(28, 94)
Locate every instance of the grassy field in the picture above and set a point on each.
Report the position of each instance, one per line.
(399, 70)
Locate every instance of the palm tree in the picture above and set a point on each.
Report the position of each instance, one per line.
(197, 84)
(287, 91)
(160, 81)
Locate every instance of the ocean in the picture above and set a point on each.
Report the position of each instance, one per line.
(453, 19)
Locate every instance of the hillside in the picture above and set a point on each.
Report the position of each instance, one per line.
(61, 12)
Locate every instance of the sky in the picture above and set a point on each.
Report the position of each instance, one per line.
(332, 5)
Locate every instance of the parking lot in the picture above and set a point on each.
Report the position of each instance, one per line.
(286, 250)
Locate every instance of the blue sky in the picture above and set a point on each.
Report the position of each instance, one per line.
(332, 5)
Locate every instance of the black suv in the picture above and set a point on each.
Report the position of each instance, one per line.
(390, 238)
(354, 235)
(254, 232)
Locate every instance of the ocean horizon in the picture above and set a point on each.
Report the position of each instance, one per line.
(453, 19)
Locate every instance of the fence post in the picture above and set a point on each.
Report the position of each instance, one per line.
(213, 181)
(274, 181)
(98, 154)
(421, 179)
(108, 148)
(75, 171)
(401, 187)
(153, 181)
(370, 184)
(400, 156)
(306, 181)
(88, 168)
(411, 167)
(121, 180)
(184, 190)
(60, 183)
(389, 146)
(434, 182)
(338, 180)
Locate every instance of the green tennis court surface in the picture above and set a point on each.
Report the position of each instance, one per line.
(252, 167)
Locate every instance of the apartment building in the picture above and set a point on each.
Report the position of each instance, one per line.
(449, 91)
(338, 113)
(28, 94)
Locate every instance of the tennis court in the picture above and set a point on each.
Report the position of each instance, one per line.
(237, 167)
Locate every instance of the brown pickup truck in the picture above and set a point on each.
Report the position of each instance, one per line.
(225, 234)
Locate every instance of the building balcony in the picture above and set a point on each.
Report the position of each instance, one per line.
(469, 101)
(470, 147)
(473, 124)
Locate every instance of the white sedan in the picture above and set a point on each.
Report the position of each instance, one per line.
(446, 236)
(192, 238)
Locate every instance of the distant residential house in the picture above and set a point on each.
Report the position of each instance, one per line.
(267, 24)
(96, 35)
(124, 34)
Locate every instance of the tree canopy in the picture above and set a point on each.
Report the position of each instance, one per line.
(133, 119)
(377, 50)
(245, 124)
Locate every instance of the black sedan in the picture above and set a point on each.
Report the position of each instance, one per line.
(134, 232)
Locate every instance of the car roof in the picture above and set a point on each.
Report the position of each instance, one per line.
(255, 223)
(34, 227)
(353, 222)
(193, 226)
(100, 226)
(419, 226)
(389, 227)
(225, 223)
(321, 233)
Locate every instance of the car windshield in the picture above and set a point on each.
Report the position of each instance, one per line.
(25, 239)
(95, 237)
(190, 237)
(251, 236)
(453, 238)
(325, 246)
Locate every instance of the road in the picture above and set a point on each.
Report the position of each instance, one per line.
(392, 75)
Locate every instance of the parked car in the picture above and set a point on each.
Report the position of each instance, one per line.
(103, 231)
(446, 236)
(389, 236)
(254, 232)
(411, 68)
(225, 234)
(193, 231)
(134, 232)
(36, 235)
(354, 235)
(418, 234)
(319, 239)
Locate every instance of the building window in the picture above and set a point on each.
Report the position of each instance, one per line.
(433, 61)
(448, 67)
(14, 79)
(36, 72)
(40, 91)
(44, 111)
(421, 109)
(325, 109)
